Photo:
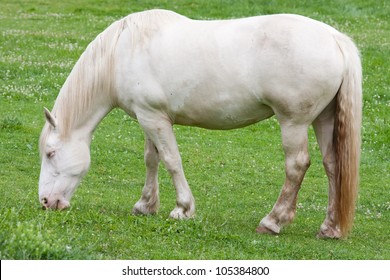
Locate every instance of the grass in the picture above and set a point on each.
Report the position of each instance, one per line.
(235, 175)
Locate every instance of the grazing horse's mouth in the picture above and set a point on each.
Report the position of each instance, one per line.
(59, 204)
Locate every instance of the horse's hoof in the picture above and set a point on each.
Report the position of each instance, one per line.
(140, 209)
(180, 214)
(264, 230)
(137, 212)
(329, 233)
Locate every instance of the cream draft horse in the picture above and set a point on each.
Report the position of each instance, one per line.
(164, 69)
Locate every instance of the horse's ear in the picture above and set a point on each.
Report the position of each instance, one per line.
(50, 118)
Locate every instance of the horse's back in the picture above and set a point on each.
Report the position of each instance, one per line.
(231, 73)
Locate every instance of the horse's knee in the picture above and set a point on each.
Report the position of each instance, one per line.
(297, 166)
(303, 161)
(151, 159)
(172, 164)
(329, 162)
(150, 155)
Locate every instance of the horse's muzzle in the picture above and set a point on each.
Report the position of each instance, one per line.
(59, 204)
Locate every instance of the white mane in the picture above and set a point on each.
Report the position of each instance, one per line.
(144, 25)
(93, 73)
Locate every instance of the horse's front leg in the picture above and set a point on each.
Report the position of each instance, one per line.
(160, 132)
(149, 201)
(297, 162)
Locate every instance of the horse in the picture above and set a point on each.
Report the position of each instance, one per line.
(164, 69)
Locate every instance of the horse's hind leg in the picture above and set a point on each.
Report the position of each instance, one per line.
(295, 138)
(160, 132)
(149, 201)
(323, 127)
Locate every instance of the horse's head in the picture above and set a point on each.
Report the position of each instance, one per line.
(65, 160)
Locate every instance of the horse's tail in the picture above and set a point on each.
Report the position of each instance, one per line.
(347, 133)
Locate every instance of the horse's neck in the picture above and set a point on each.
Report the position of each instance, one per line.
(79, 123)
(87, 94)
(91, 120)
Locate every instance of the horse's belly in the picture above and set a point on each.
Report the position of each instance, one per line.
(222, 116)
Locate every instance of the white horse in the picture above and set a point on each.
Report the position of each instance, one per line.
(164, 69)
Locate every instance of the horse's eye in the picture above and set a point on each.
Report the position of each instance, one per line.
(50, 154)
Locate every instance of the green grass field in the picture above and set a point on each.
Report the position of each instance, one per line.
(235, 175)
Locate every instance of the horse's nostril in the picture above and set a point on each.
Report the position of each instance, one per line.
(44, 203)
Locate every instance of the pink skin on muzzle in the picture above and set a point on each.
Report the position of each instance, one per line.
(56, 203)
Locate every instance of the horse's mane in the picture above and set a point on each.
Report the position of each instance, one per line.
(93, 73)
(144, 25)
